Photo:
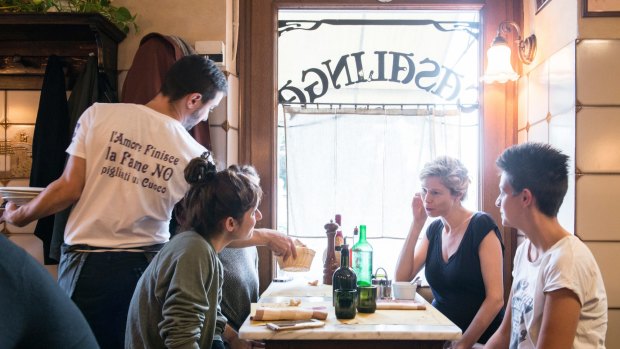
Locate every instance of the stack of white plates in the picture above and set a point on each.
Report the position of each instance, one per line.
(19, 195)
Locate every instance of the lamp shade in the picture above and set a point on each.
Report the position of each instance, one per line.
(499, 68)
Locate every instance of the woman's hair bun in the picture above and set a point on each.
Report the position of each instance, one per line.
(200, 170)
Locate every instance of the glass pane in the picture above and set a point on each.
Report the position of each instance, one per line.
(367, 99)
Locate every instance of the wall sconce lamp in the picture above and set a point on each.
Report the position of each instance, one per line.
(499, 68)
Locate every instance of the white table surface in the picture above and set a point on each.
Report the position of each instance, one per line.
(427, 324)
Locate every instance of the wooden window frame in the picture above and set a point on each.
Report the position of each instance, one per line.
(258, 101)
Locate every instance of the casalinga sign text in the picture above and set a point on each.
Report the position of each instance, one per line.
(426, 74)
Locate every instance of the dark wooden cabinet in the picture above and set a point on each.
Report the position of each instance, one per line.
(27, 40)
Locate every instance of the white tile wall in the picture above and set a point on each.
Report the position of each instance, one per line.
(562, 134)
(539, 132)
(598, 144)
(225, 143)
(562, 80)
(521, 136)
(220, 147)
(583, 73)
(233, 147)
(606, 255)
(218, 115)
(598, 72)
(538, 93)
(233, 101)
(597, 207)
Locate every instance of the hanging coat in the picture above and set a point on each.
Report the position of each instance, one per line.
(51, 138)
(155, 55)
(91, 86)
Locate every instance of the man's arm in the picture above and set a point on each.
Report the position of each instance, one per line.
(277, 242)
(59, 195)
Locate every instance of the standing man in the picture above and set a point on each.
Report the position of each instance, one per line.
(558, 299)
(123, 176)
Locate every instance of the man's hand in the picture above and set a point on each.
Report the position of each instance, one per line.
(9, 214)
(279, 243)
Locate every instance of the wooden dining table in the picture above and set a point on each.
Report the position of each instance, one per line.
(426, 328)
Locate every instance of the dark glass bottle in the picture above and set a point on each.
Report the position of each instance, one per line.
(362, 259)
(345, 287)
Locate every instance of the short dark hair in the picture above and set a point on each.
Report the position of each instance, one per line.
(540, 168)
(215, 195)
(194, 74)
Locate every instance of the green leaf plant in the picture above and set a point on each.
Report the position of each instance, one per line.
(120, 16)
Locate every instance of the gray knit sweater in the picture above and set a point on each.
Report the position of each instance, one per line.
(240, 287)
(176, 301)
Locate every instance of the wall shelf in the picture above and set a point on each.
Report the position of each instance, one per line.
(26, 40)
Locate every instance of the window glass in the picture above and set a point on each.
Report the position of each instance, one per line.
(366, 98)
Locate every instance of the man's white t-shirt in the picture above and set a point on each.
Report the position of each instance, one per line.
(567, 264)
(135, 158)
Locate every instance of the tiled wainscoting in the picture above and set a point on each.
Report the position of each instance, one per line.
(572, 101)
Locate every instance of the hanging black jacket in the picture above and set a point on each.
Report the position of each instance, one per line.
(91, 86)
(51, 138)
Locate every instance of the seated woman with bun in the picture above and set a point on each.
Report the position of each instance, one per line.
(176, 301)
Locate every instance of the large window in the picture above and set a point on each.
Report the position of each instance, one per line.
(366, 98)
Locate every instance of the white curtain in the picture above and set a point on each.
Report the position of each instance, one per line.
(364, 163)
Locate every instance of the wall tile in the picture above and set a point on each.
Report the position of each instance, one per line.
(218, 115)
(522, 136)
(562, 80)
(597, 139)
(233, 147)
(598, 71)
(597, 205)
(233, 101)
(562, 134)
(538, 87)
(566, 215)
(606, 255)
(522, 102)
(22, 106)
(219, 143)
(539, 132)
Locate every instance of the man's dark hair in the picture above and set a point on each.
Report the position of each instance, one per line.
(194, 74)
(540, 168)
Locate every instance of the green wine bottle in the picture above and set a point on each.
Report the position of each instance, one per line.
(362, 259)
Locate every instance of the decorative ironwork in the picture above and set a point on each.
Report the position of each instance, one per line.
(472, 28)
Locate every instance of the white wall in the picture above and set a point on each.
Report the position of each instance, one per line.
(570, 97)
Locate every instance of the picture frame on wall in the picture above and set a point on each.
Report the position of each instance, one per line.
(540, 4)
(601, 8)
